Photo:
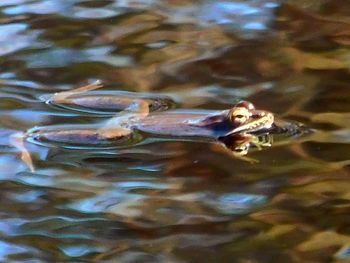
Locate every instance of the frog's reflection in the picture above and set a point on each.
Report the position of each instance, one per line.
(240, 144)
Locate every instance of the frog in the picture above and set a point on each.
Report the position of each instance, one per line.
(236, 129)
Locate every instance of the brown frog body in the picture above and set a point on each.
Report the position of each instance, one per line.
(204, 124)
(236, 128)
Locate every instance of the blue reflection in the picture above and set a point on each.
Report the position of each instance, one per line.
(237, 8)
(116, 202)
(344, 253)
(11, 226)
(142, 185)
(8, 249)
(236, 203)
(236, 12)
(41, 7)
(271, 5)
(65, 8)
(59, 227)
(91, 13)
(254, 26)
(27, 115)
(7, 75)
(246, 17)
(62, 57)
(35, 180)
(80, 250)
(12, 2)
(147, 168)
(15, 36)
(28, 197)
(9, 165)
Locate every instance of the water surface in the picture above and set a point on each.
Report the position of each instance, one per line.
(164, 200)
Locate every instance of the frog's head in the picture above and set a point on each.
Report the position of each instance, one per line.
(246, 119)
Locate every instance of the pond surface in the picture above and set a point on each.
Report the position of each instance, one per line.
(165, 200)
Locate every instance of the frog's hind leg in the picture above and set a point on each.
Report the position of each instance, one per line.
(18, 140)
(65, 137)
(64, 96)
(79, 136)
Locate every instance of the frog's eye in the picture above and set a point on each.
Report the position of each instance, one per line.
(245, 104)
(239, 115)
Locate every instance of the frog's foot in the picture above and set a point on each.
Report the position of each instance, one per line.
(18, 140)
(63, 97)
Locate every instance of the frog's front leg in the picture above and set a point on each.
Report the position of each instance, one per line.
(137, 110)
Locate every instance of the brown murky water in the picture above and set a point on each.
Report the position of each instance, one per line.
(165, 200)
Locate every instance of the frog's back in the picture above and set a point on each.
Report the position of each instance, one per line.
(178, 123)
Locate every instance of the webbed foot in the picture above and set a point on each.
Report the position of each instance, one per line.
(63, 96)
(18, 140)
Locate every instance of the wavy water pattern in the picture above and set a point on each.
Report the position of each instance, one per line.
(152, 198)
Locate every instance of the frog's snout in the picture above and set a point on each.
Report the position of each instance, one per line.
(259, 120)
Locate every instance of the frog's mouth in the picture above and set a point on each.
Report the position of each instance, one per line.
(257, 122)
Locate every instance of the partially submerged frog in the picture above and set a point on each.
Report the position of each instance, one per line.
(237, 128)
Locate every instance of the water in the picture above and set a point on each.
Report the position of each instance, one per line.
(164, 200)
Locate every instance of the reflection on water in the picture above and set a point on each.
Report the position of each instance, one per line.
(164, 200)
(20, 37)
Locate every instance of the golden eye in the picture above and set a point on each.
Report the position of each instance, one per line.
(239, 115)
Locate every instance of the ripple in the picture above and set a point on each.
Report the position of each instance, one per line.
(11, 226)
(10, 165)
(115, 202)
(58, 227)
(139, 256)
(63, 57)
(168, 199)
(27, 197)
(80, 250)
(20, 37)
(12, 2)
(9, 250)
(40, 7)
(95, 13)
(238, 203)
